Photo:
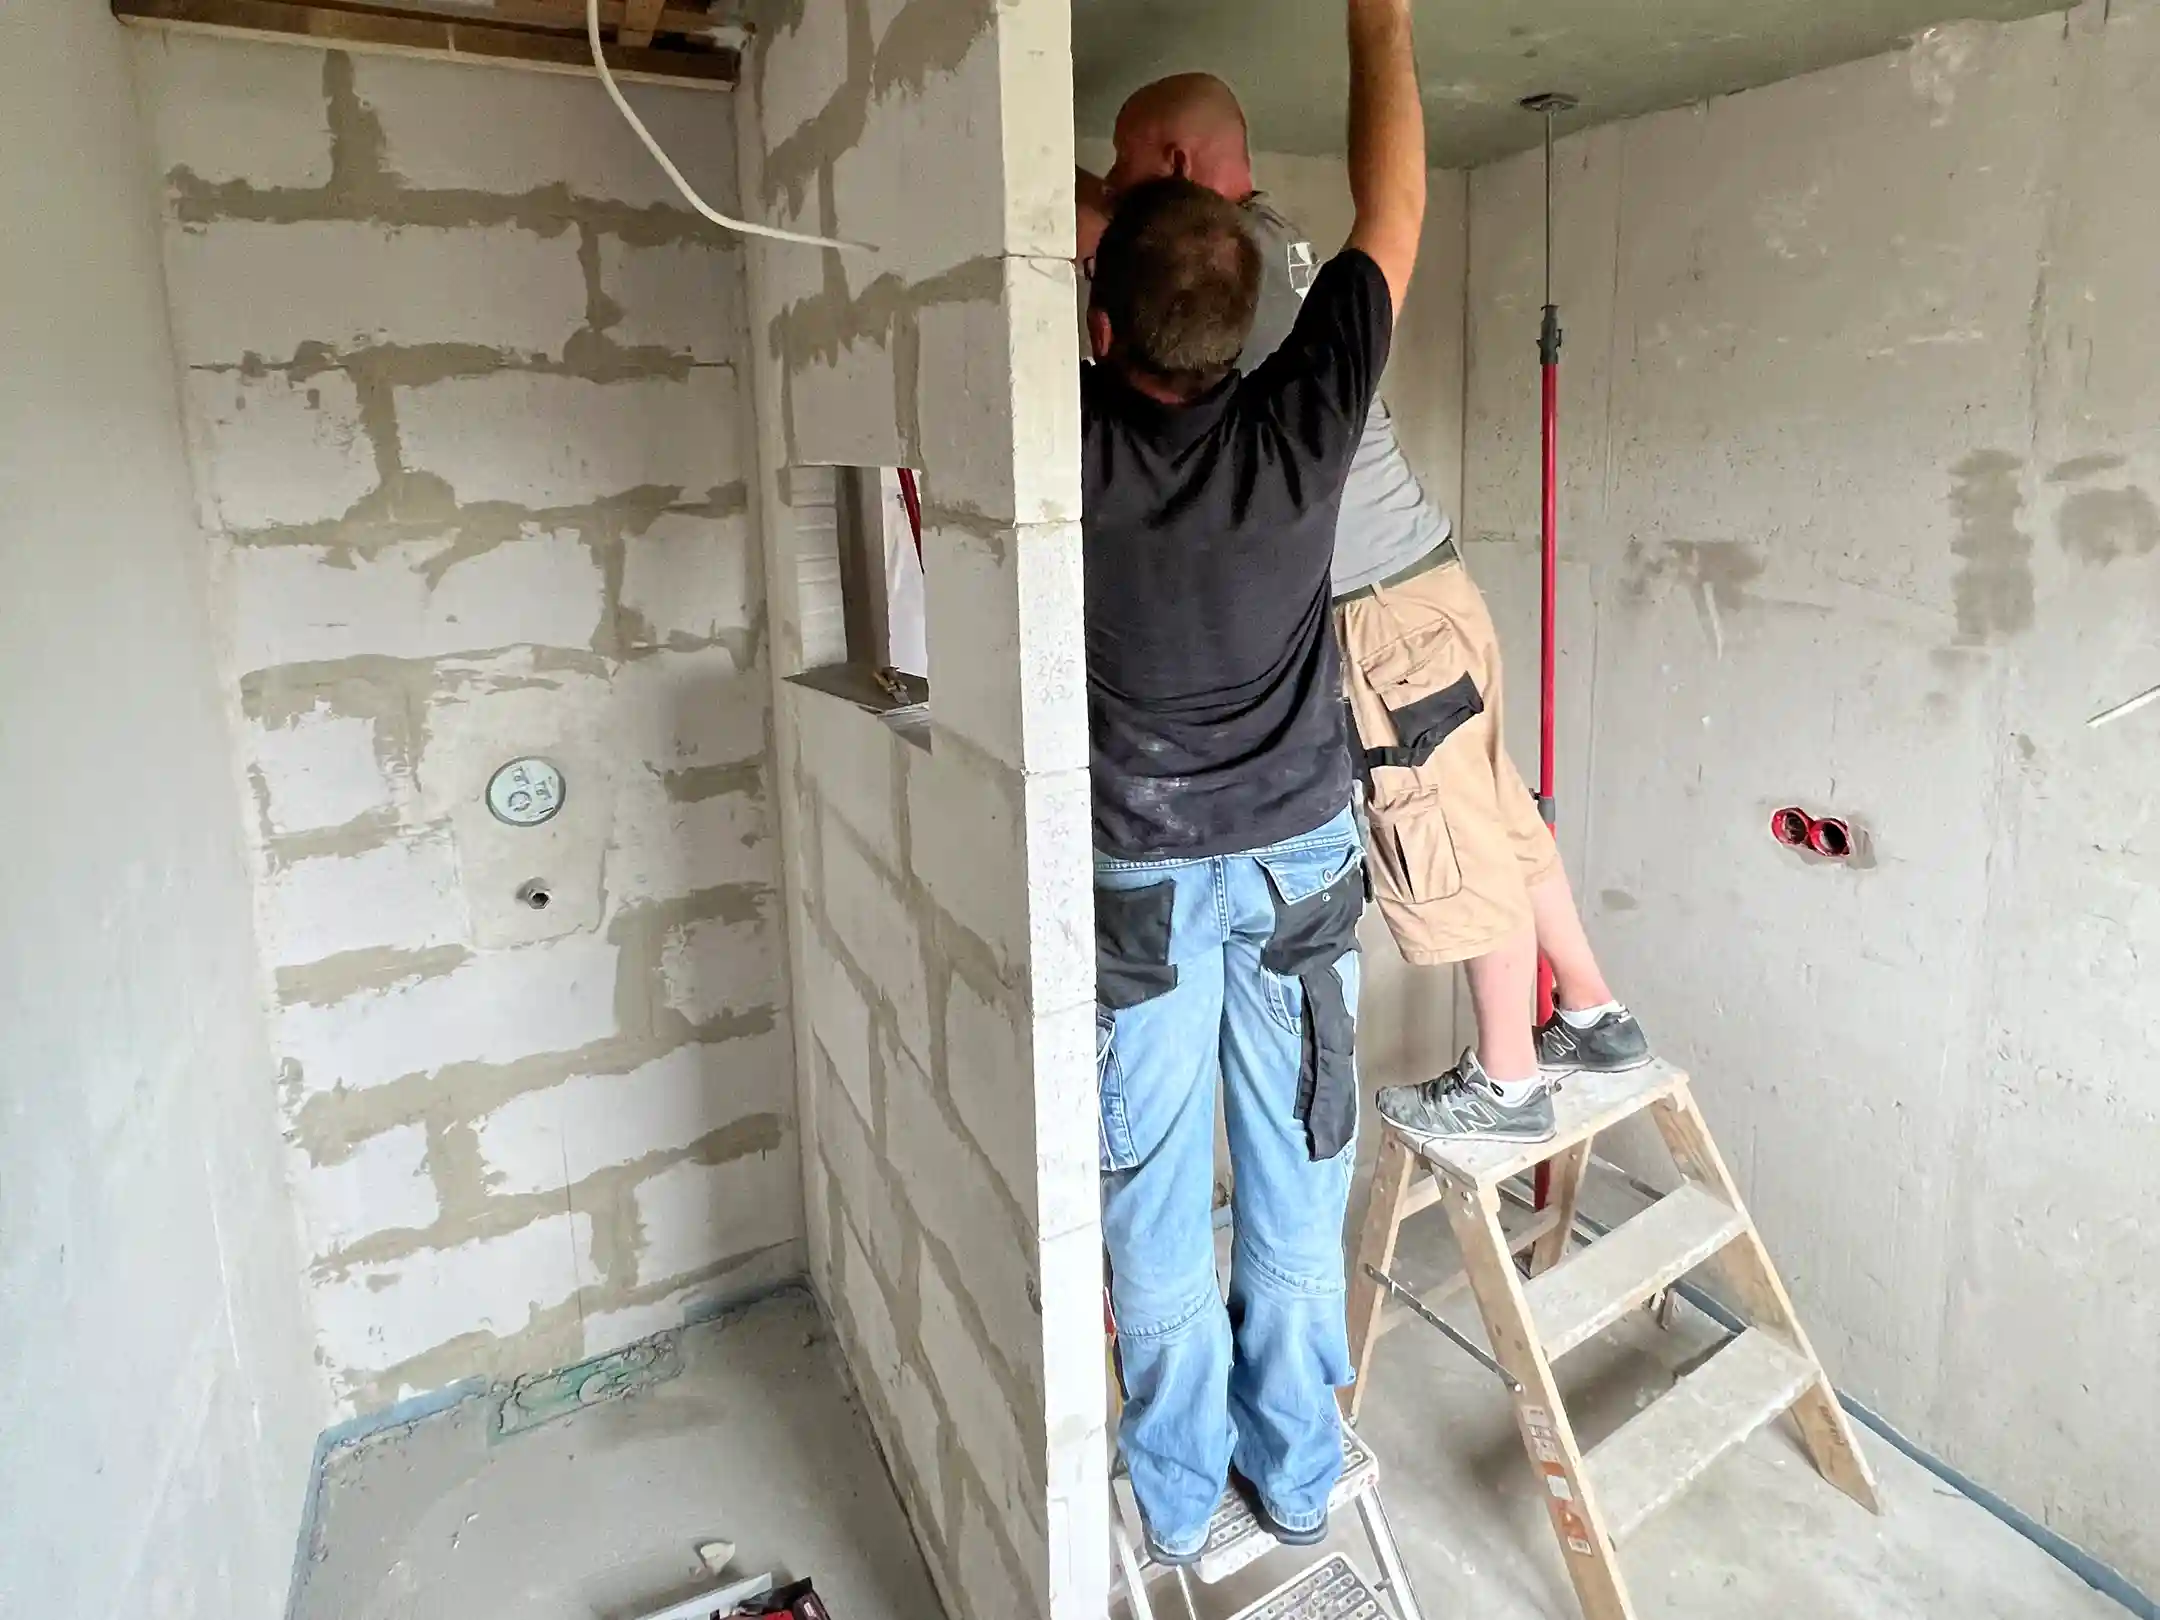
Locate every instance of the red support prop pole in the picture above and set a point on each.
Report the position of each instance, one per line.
(1549, 560)
(1548, 685)
(912, 498)
(1549, 643)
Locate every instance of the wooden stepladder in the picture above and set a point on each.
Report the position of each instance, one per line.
(1597, 1499)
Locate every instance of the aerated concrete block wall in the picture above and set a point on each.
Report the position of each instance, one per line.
(463, 384)
(940, 900)
(1861, 442)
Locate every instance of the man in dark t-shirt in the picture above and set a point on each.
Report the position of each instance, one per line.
(1227, 858)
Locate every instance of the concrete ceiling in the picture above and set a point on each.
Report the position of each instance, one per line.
(1480, 57)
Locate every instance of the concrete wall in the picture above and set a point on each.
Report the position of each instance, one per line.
(1861, 383)
(940, 897)
(462, 385)
(159, 1407)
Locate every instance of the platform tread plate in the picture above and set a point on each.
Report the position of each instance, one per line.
(1234, 1537)
(1331, 1590)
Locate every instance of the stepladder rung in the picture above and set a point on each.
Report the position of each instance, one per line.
(1673, 1441)
(1331, 1590)
(1235, 1537)
(1595, 1287)
(1585, 1105)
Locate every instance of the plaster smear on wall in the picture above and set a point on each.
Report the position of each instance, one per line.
(464, 393)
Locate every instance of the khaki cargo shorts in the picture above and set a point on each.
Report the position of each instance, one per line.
(1456, 840)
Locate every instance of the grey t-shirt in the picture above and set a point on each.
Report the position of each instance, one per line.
(1387, 523)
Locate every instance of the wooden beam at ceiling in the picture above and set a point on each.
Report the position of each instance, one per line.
(687, 17)
(639, 19)
(548, 39)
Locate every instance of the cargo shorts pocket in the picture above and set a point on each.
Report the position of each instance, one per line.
(1315, 928)
(1422, 724)
(1413, 852)
(1427, 696)
(1422, 678)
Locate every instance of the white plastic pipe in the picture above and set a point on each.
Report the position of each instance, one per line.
(746, 227)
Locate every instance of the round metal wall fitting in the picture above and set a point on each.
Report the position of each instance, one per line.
(525, 792)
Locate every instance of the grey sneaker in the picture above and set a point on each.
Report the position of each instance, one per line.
(1463, 1104)
(1612, 1045)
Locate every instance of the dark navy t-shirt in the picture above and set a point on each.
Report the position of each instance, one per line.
(1214, 688)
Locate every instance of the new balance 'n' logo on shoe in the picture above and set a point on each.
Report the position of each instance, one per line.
(1461, 1105)
(1612, 1045)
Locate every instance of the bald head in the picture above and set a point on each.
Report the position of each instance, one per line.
(1189, 125)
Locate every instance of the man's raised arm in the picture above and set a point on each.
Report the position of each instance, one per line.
(1387, 140)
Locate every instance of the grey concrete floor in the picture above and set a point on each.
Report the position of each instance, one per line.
(1761, 1536)
(597, 1515)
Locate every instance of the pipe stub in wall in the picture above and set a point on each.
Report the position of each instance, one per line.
(1827, 835)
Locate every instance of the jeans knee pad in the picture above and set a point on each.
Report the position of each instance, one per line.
(1162, 1316)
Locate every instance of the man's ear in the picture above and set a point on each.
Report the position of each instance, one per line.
(1098, 326)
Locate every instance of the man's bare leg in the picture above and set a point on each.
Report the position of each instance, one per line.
(1590, 1029)
(1577, 981)
(1502, 983)
(1498, 1090)
(1514, 1056)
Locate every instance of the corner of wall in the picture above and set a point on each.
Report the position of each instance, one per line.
(938, 900)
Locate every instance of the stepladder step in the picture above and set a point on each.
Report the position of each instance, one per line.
(1585, 1105)
(1595, 1287)
(1673, 1441)
(1331, 1590)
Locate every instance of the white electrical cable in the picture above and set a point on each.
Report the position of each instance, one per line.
(2129, 706)
(592, 34)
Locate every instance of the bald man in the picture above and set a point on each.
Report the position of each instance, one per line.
(1461, 863)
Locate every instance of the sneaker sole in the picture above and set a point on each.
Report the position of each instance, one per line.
(1292, 1538)
(1156, 1555)
(1418, 1133)
(1282, 1534)
(1560, 1071)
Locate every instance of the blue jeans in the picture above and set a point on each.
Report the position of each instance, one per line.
(1244, 967)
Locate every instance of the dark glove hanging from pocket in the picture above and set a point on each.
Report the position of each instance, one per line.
(1327, 1074)
(1311, 935)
